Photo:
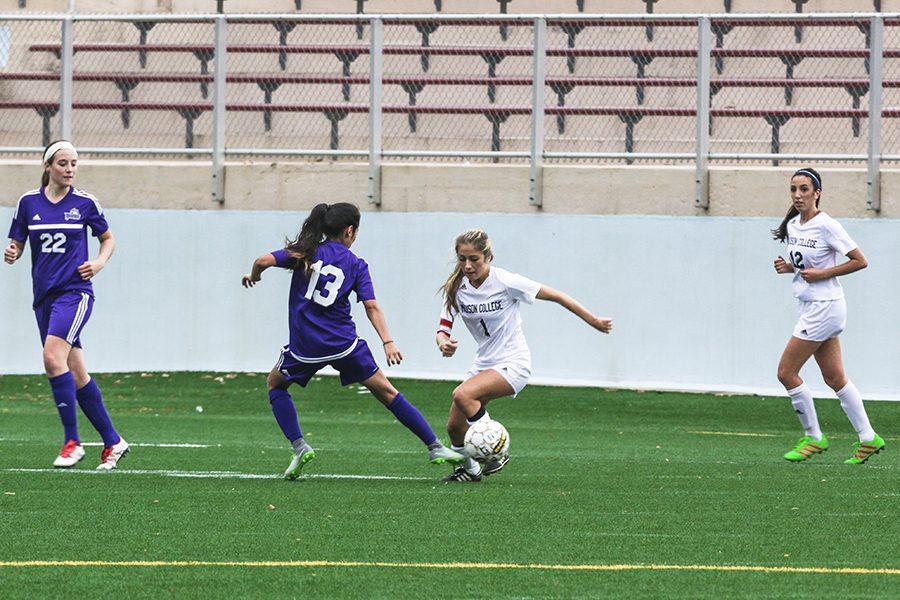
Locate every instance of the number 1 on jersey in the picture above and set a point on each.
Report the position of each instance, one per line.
(484, 327)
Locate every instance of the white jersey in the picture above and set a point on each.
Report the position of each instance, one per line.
(491, 314)
(817, 244)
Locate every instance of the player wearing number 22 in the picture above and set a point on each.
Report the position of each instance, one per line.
(815, 243)
(487, 300)
(54, 219)
(322, 331)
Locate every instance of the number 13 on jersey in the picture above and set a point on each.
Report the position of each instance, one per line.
(330, 291)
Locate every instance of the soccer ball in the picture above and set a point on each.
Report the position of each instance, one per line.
(486, 439)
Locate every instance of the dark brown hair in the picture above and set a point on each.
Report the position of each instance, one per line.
(326, 221)
(780, 233)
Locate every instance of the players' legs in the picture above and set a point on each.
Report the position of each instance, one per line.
(90, 399)
(409, 416)
(470, 399)
(286, 415)
(795, 355)
(832, 365)
(56, 355)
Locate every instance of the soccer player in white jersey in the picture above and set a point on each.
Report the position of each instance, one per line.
(815, 243)
(487, 299)
(54, 221)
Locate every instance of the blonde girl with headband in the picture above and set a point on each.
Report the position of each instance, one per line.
(487, 298)
(54, 220)
(815, 243)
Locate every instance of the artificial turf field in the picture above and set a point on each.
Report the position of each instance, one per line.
(608, 494)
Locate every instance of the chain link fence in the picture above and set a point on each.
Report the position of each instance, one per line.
(622, 88)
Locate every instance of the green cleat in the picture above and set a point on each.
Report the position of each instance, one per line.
(806, 447)
(863, 450)
(305, 455)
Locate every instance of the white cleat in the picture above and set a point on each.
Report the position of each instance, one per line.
(110, 456)
(443, 454)
(302, 457)
(70, 454)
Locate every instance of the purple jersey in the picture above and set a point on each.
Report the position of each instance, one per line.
(58, 237)
(319, 318)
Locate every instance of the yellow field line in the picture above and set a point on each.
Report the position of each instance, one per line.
(449, 565)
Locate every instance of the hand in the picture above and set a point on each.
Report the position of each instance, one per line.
(782, 266)
(448, 347)
(90, 268)
(12, 253)
(248, 282)
(603, 324)
(392, 352)
(813, 275)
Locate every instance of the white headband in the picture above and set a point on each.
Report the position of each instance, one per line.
(56, 147)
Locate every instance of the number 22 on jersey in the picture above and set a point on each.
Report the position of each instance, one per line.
(328, 295)
(53, 243)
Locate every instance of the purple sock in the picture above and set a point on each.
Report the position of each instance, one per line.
(91, 402)
(286, 414)
(410, 416)
(63, 387)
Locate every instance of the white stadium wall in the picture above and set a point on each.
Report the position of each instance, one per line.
(696, 303)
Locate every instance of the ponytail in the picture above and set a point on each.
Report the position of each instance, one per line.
(780, 233)
(324, 222)
(481, 242)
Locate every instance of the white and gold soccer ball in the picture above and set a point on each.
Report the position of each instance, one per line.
(486, 439)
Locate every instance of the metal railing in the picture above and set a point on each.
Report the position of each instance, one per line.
(622, 88)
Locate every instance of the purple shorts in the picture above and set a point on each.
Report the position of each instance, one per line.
(356, 367)
(64, 316)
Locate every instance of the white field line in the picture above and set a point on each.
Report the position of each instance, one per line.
(453, 565)
(134, 445)
(735, 433)
(220, 474)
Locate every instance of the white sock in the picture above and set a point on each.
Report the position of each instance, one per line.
(470, 464)
(852, 403)
(484, 417)
(802, 400)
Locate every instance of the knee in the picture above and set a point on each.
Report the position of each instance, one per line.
(835, 381)
(786, 376)
(53, 364)
(462, 400)
(275, 381)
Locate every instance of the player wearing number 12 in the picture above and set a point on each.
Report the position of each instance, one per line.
(322, 331)
(54, 219)
(815, 243)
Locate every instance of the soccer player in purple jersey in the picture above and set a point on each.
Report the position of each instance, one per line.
(322, 331)
(54, 220)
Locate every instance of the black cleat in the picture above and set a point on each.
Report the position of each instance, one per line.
(495, 465)
(460, 475)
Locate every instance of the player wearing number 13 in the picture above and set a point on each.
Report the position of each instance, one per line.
(322, 331)
(54, 219)
(815, 243)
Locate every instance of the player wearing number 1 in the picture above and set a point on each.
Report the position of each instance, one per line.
(815, 242)
(322, 331)
(487, 299)
(54, 219)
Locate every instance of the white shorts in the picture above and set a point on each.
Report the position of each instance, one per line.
(820, 321)
(516, 373)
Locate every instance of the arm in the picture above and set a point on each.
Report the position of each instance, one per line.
(90, 268)
(573, 306)
(857, 262)
(782, 266)
(376, 317)
(13, 251)
(259, 265)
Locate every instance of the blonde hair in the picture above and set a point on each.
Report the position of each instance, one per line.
(481, 242)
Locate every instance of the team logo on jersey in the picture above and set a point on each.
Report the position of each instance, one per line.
(36, 217)
(72, 215)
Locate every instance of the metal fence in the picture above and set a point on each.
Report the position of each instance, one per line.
(533, 89)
